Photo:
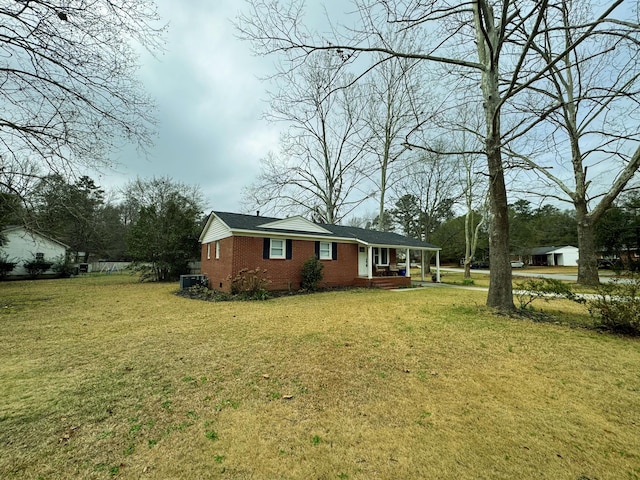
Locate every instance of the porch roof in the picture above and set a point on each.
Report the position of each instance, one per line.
(377, 238)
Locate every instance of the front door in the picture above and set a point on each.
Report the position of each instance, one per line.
(363, 271)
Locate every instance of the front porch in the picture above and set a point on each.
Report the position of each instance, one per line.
(378, 265)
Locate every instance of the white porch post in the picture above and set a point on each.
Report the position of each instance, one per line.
(422, 265)
(438, 266)
(407, 272)
(369, 262)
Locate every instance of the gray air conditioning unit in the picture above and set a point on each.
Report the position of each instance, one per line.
(187, 281)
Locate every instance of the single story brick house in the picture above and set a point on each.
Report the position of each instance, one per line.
(351, 256)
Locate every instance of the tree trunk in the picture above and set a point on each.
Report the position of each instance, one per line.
(467, 269)
(500, 289)
(488, 43)
(587, 261)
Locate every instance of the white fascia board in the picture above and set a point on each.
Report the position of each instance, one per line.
(206, 227)
(399, 247)
(205, 230)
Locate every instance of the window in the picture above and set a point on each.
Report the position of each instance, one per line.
(277, 249)
(208, 251)
(325, 251)
(380, 256)
(217, 250)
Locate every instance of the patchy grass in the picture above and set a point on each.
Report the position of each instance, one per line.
(457, 278)
(104, 377)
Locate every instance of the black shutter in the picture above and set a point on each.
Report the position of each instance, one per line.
(317, 249)
(266, 247)
(289, 249)
(334, 250)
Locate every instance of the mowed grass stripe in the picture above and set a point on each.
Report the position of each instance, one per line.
(103, 377)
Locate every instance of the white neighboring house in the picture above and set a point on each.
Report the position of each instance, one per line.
(23, 244)
(566, 256)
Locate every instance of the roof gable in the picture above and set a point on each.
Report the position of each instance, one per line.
(33, 233)
(215, 229)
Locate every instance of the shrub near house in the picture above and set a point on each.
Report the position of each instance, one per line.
(6, 267)
(37, 267)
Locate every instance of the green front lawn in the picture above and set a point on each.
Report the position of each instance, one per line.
(103, 377)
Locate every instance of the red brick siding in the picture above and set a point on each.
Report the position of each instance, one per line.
(344, 270)
(218, 270)
(248, 254)
(238, 253)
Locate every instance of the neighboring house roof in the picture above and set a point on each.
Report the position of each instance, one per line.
(31, 231)
(548, 250)
(298, 226)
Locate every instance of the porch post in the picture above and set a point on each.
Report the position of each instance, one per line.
(422, 265)
(407, 272)
(438, 266)
(369, 262)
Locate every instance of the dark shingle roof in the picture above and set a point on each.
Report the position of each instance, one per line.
(546, 250)
(245, 222)
(237, 221)
(375, 237)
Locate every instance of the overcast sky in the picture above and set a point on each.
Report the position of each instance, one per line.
(210, 102)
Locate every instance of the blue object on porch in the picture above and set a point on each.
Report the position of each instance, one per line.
(402, 272)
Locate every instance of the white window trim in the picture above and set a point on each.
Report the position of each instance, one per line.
(378, 256)
(218, 250)
(284, 249)
(328, 253)
(208, 251)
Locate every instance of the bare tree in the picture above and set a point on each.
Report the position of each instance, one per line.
(67, 85)
(465, 125)
(426, 194)
(498, 66)
(317, 171)
(587, 109)
(396, 97)
(147, 192)
(18, 180)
